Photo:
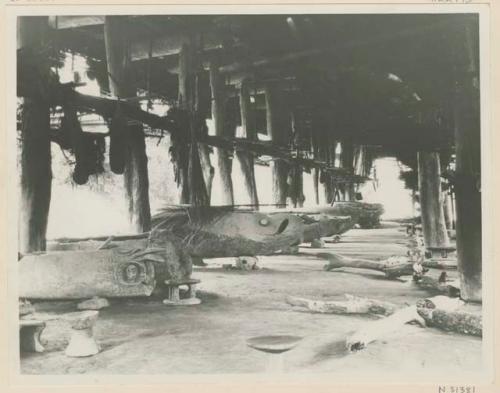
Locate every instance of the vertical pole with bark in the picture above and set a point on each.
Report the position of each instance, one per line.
(448, 214)
(223, 162)
(347, 162)
(135, 175)
(431, 200)
(248, 131)
(468, 164)
(36, 172)
(296, 175)
(278, 129)
(180, 142)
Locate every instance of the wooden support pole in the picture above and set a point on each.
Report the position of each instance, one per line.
(315, 175)
(223, 162)
(431, 201)
(278, 129)
(468, 169)
(36, 172)
(296, 175)
(347, 162)
(202, 101)
(192, 161)
(135, 175)
(448, 214)
(179, 142)
(329, 155)
(248, 131)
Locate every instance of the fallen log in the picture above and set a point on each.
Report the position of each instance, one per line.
(367, 215)
(351, 305)
(441, 285)
(392, 267)
(450, 264)
(375, 330)
(449, 320)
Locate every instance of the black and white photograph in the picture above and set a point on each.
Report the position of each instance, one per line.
(270, 192)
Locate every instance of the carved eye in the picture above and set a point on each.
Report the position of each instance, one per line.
(264, 222)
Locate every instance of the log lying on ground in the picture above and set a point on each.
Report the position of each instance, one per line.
(449, 264)
(450, 320)
(392, 267)
(367, 215)
(442, 285)
(375, 330)
(351, 305)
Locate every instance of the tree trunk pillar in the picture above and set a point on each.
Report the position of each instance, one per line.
(248, 131)
(135, 175)
(448, 213)
(223, 162)
(347, 162)
(278, 129)
(431, 200)
(36, 172)
(468, 171)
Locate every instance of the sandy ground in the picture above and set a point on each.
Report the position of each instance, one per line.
(147, 337)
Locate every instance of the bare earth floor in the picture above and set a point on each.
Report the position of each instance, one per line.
(147, 337)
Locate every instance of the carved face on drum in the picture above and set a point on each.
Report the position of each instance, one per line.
(131, 273)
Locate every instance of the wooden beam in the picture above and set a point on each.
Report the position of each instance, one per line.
(431, 202)
(36, 172)
(338, 48)
(135, 175)
(278, 129)
(468, 167)
(62, 22)
(223, 163)
(248, 131)
(170, 44)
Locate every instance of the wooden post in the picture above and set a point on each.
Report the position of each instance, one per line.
(329, 155)
(202, 101)
(248, 131)
(184, 102)
(315, 175)
(296, 175)
(468, 168)
(431, 201)
(223, 162)
(36, 172)
(192, 160)
(448, 214)
(135, 175)
(347, 161)
(278, 129)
